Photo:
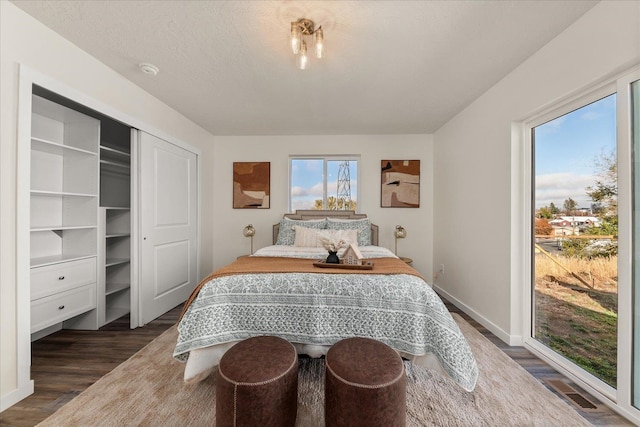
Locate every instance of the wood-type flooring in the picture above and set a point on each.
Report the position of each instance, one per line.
(67, 362)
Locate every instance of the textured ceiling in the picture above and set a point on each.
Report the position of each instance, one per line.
(390, 66)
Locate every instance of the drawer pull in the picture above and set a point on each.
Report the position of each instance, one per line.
(61, 278)
(61, 307)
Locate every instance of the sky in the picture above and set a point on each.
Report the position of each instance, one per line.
(307, 181)
(566, 151)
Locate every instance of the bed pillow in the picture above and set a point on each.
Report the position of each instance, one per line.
(312, 238)
(363, 226)
(287, 234)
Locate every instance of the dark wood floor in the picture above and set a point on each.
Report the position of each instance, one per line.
(67, 362)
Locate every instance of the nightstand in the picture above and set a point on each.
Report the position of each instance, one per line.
(406, 259)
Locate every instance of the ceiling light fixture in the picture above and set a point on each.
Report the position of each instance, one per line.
(299, 29)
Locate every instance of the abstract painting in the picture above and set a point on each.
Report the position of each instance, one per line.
(251, 185)
(400, 186)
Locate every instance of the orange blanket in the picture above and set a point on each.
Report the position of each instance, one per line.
(260, 265)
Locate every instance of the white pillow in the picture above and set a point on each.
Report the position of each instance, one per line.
(312, 238)
(363, 226)
(306, 237)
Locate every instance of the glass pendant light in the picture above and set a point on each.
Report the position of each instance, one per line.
(302, 57)
(296, 38)
(319, 42)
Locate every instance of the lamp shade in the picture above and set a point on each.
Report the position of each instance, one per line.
(400, 232)
(249, 231)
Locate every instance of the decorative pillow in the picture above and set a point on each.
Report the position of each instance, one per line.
(287, 234)
(307, 237)
(312, 238)
(363, 226)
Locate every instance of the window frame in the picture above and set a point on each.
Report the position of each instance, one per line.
(522, 213)
(325, 159)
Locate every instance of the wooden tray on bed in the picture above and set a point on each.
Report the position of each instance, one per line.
(367, 265)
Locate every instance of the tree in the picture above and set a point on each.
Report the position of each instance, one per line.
(335, 204)
(605, 197)
(605, 190)
(545, 212)
(570, 206)
(542, 227)
(554, 209)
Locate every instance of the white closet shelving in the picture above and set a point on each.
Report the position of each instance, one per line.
(80, 216)
(115, 202)
(63, 212)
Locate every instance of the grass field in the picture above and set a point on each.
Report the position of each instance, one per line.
(577, 321)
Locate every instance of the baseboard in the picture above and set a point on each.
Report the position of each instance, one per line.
(16, 396)
(512, 340)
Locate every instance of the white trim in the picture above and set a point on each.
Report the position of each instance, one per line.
(16, 395)
(512, 340)
(625, 247)
(135, 319)
(23, 277)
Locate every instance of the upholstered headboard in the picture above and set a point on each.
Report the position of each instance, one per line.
(319, 214)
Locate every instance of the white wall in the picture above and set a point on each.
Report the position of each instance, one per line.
(473, 163)
(229, 222)
(24, 40)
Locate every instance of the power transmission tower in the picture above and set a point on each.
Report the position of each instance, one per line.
(343, 198)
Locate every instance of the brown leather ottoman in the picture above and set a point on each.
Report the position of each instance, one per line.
(257, 384)
(365, 384)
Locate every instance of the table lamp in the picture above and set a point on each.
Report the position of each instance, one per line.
(249, 231)
(400, 233)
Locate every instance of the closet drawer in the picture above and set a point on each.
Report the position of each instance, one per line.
(51, 279)
(62, 306)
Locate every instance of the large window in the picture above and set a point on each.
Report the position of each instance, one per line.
(584, 216)
(575, 251)
(323, 183)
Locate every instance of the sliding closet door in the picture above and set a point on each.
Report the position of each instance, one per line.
(169, 217)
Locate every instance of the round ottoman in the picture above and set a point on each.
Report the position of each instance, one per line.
(365, 384)
(257, 384)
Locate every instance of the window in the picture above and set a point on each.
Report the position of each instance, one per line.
(329, 182)
(575, 246)
(581, 183)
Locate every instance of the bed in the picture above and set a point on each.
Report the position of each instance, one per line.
(279, 291)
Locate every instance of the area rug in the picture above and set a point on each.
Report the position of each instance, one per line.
(148, 390)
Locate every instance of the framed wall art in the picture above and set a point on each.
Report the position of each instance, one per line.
(251, 185)
(400, 184)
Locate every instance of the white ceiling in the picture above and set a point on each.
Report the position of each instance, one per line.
(391, 67)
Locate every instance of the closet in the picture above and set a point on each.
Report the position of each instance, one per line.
(63, 213)
(105, 239)
(80, 216)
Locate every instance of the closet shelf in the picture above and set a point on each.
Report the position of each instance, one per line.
(110, 150)
(57, 148)
(113, 288)
(116, 261)
(63, 228)
(60, 193)
(114, 166)
(114, 313)
(116, 235)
